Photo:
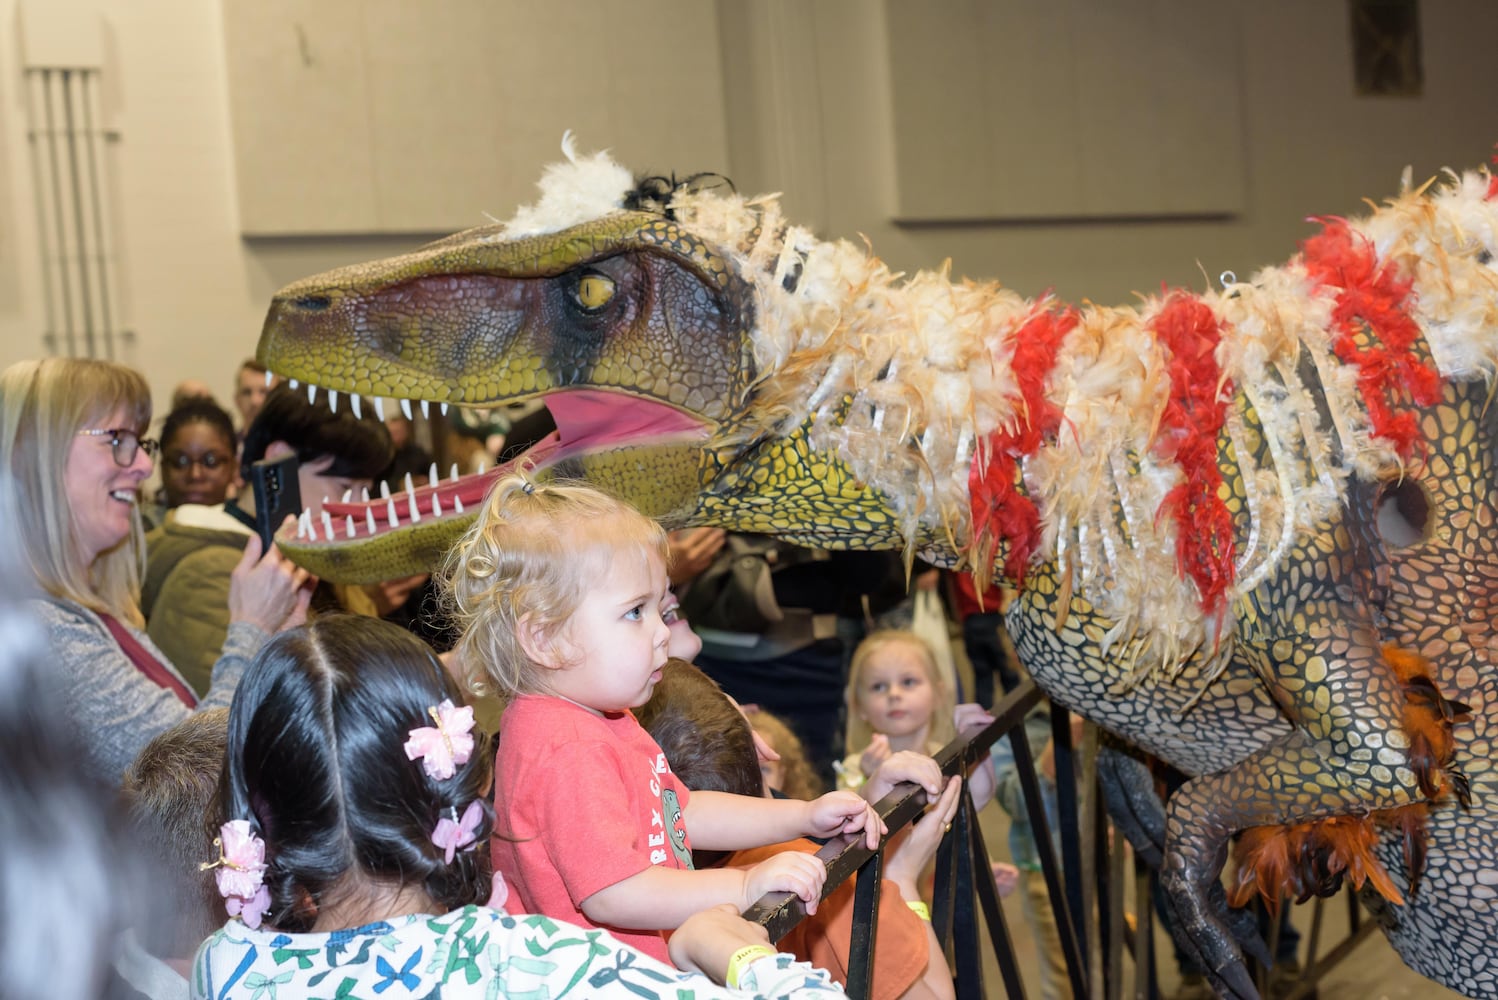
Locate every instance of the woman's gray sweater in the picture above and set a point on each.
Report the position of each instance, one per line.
(116, 709)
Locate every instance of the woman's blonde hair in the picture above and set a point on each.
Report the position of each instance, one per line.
(797, 778)
(532, 554)
(858, 732)
(43, 406)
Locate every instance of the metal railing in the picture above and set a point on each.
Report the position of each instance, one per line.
(965, 888)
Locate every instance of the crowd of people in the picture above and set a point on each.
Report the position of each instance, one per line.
(312, 805)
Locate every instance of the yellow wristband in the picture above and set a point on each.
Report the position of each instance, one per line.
(921, 909)
(741, 958)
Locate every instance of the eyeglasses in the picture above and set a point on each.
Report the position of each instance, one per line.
(125, 443)
(182, 461)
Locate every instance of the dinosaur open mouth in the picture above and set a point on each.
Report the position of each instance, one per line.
(587, 421)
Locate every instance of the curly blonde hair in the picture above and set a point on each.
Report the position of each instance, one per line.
(530, 556)
(797, 778)
(944, 704)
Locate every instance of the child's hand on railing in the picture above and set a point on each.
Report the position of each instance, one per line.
(788, 871)
(981, 781)
(838, 813)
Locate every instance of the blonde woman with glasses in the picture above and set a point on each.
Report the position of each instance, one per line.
(72, 442)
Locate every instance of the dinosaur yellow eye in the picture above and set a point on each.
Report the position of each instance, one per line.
(594, 291)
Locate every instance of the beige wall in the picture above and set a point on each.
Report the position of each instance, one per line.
(807, 93)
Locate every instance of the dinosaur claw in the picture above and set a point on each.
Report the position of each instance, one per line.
(1232, 982)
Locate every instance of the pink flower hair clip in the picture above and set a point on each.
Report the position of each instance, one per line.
(458, 834)
(446, 746)
(240, 872)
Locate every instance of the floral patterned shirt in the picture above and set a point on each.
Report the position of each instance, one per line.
(472, 952)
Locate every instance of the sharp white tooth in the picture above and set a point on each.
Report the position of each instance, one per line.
(369, 520)
(304, 523)
(426, 409)
(327, 525)
(348, 526)
(436, 505)
(348, 495)
(406, 408)
(411, 508)
(293, 383)
(454, 473)
(379, 402)
(457, 505)
(432, 475)
(353, 401)
(444, 409)
(409, 487)
(481, 468)
(311, 393)
(269, 378)
(301, 529)
(390, 512)
(384, 489)
(364, 494)
(325, 500)
(333, 400)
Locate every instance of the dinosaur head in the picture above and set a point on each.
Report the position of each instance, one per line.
(699, 355)
(632, 329)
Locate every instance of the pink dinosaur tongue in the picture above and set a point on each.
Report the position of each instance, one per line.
(593, 417)
(587, 420)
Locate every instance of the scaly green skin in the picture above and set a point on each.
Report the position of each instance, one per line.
(1304, 722)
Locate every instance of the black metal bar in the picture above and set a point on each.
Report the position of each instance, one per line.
(85, 294)
(53, 159)
(96, 199)
(993, 911)
(967, 956)
(865, 931)
(1066, 918)
(1067, 814)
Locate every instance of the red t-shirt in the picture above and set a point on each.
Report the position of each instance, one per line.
(586, 801)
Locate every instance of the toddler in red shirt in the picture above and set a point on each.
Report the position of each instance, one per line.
(560, 591)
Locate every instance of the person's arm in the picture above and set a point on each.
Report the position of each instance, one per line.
(722, 821)
(663, 898)
(560, 957)
(115, 709)
(903, 867)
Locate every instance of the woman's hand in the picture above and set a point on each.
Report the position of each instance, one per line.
(905, 863)
(907, 765)
(788, 871)
(707, 940)
(269, 591)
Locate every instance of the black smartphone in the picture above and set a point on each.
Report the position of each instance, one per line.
(277, 493)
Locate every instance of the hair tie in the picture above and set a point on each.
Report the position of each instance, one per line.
(454, 834)
(527, 487)
(241, 872)
(445, 747)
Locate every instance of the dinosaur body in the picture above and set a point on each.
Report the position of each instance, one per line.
(1252, 529)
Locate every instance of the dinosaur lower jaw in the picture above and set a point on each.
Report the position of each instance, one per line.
(589, 422)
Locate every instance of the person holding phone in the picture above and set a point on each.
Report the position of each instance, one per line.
(302, 448)
(73, 455)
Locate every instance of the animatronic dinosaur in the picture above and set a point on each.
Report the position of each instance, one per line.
(1253, 529)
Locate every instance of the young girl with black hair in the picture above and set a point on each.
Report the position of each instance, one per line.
(353, 798)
